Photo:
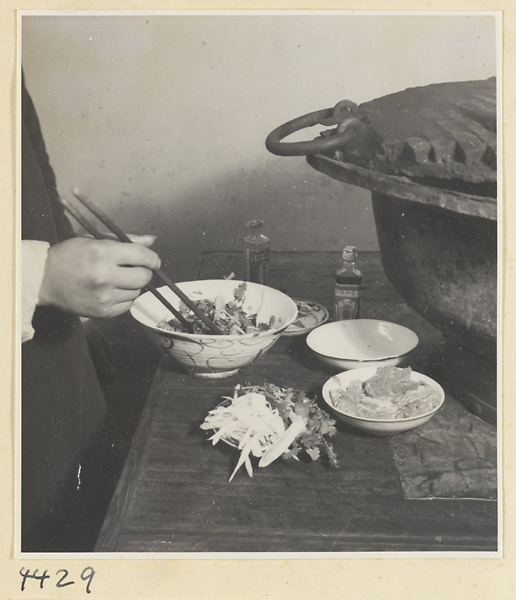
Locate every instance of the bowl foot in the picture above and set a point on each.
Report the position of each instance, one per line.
(215, 374)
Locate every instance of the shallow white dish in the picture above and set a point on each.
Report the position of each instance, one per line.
(309, 316)
(382, 427)
(208, 355)
(357, 343)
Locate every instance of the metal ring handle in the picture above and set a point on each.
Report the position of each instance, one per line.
(274, 144)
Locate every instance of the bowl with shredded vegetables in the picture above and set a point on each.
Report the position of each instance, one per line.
(267, 422)
(250, 316)
(383, 400)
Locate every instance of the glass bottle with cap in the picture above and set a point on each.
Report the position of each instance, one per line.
(257, 253)
(348, 282)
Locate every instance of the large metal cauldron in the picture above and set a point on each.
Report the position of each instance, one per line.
(439, 250)
(438, 246)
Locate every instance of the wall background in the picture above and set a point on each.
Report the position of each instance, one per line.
(162, 119)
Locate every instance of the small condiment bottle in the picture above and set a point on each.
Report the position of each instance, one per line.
(348, 281)
(257, 251)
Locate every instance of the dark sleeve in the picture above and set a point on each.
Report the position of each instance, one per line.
(43, 216)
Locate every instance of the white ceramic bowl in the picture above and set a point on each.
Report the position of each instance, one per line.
(208, 355)
(360, 343)
(381, 427)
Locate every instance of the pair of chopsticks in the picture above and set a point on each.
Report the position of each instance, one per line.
(123, 237)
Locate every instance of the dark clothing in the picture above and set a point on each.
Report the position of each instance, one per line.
(62, 403)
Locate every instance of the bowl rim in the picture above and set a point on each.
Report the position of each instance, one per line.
(421, 377)
(204, 336)
(312, 335)
(364, 361)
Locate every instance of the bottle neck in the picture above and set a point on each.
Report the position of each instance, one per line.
(348, 273)
(349, 254)
(254, 232)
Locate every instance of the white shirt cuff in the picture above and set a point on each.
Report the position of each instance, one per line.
(33, 259)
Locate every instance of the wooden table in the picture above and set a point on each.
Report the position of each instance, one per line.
(432, 489)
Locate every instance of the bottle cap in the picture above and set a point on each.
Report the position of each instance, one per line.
(349, 253)
(255, 223)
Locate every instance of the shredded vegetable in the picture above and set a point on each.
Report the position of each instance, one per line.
(267, 422)
(229, 316)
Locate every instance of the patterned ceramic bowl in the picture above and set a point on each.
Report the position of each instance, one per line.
(208, 355)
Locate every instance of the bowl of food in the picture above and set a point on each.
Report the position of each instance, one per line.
(268, 422)
(383, 400)
(358, 343)
(250, 316)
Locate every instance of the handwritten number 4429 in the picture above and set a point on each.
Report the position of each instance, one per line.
(63, 578)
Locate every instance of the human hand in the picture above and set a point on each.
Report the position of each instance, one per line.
(97, 278)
